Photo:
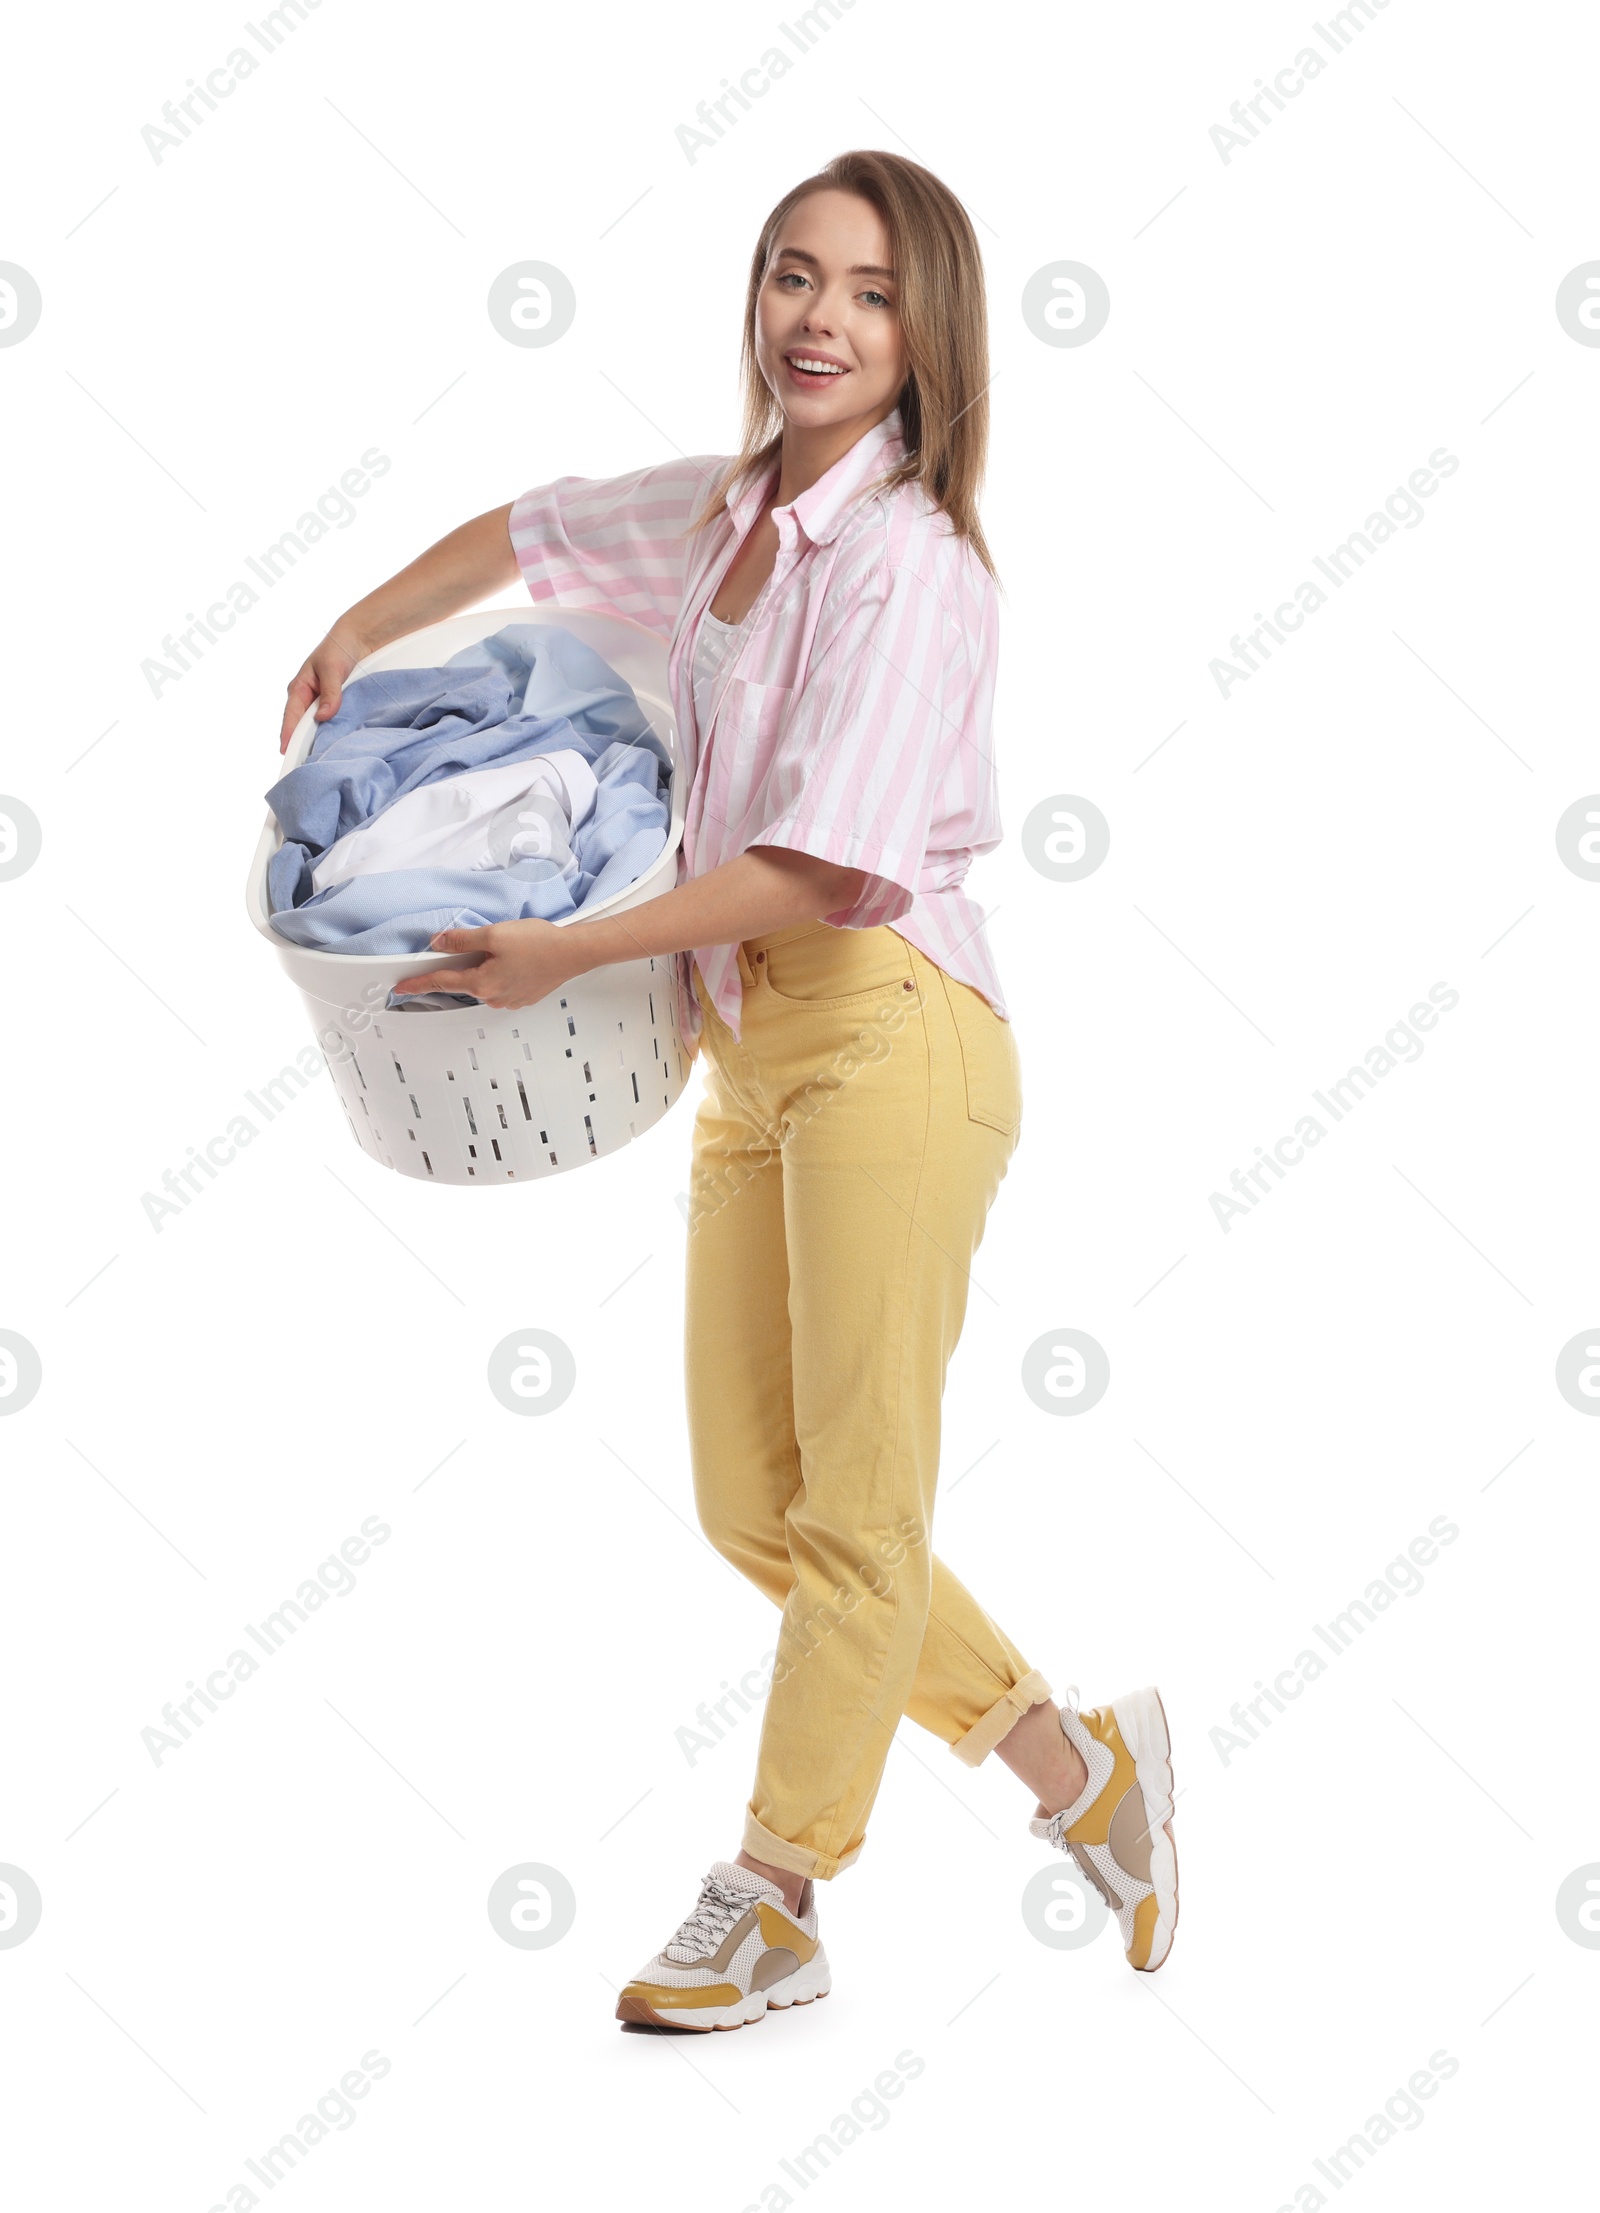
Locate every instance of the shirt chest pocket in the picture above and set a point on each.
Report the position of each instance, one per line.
(750, 719)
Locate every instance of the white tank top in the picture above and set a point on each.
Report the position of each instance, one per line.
(715, 645)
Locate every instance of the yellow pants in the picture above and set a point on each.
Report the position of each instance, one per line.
(847, 1149)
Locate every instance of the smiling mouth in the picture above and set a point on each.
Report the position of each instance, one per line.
(809, 365)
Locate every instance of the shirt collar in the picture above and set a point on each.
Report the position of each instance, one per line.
(821, 510)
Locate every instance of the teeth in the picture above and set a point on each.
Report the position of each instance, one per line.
(814, 368)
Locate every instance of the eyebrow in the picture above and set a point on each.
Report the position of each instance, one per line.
(859, 269)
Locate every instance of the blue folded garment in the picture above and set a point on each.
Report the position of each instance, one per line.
(529, 689)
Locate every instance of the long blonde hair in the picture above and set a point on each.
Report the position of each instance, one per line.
(944, 402)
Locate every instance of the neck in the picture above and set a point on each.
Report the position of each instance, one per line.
(807, 455)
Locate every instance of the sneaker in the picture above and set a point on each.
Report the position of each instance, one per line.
(739, 1952)
(1120, 1829)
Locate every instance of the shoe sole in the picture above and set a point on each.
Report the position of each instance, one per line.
(1142, 1719)
(802, 1988)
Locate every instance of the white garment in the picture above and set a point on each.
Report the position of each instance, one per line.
(715, 646)
(518, 812)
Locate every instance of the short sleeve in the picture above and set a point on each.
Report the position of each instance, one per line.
(619, 545)
(884, 739)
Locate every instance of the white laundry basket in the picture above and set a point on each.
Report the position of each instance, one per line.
(479, 1095)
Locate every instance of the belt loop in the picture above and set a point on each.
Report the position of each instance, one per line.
(745, 969)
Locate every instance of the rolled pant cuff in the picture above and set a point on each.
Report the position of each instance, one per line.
(777, 1851)
(981, 1739)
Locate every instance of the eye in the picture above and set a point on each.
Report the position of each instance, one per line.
(785, 274)
(878, 296)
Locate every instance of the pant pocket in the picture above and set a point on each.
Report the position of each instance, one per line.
(990, 1061)
(829, 967)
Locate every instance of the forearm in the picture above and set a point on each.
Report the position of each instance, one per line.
(765, 888)
(454, 574)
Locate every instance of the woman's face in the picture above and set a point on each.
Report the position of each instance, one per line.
(829, 298)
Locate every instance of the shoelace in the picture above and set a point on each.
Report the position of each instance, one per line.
(1058, 1821)
(716, 1910)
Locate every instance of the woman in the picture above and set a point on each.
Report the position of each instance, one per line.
(829, 604)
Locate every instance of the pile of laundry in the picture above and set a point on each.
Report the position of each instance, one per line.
(520, 780)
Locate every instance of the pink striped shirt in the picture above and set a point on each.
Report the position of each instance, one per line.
(853, 722)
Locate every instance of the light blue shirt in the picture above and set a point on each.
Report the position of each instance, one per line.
(531, 688)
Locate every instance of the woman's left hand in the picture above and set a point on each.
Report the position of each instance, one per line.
(522, 962)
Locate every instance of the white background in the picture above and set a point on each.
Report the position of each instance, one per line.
(1373, 1879)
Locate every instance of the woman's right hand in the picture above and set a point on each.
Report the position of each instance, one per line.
(321, 678)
